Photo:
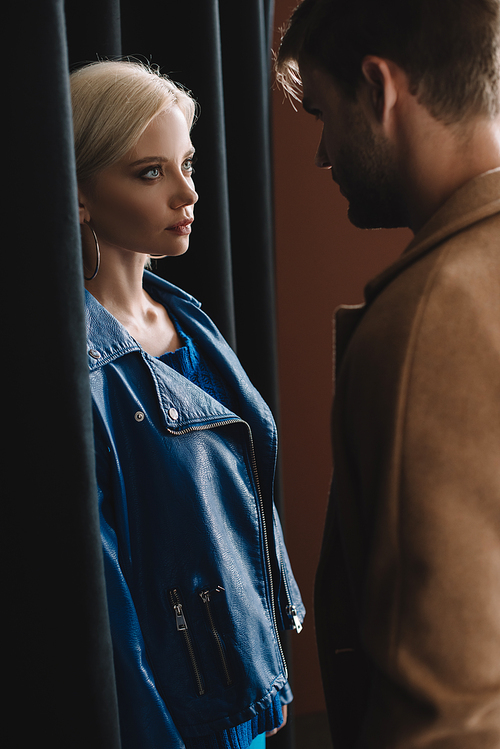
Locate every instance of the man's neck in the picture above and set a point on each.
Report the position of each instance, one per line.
(441, 158)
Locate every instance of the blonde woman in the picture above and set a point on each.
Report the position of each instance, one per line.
(197, 576)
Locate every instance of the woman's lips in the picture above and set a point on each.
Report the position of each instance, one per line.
(182, 228)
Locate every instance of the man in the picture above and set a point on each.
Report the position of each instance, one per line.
(408, 587)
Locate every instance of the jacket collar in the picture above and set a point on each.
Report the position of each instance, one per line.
(107, 339)
(476, 200)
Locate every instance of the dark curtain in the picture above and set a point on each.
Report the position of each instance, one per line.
(57, 653)
(56, 660)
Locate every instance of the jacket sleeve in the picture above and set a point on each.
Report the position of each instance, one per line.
(430, 600)
(143, 714)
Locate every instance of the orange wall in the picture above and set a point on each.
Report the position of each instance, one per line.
(321, 261)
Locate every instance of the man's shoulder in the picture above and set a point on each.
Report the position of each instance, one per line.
(470, 216)
(449, 291)
(467, 259)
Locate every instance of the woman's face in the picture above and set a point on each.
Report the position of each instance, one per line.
(144, 202)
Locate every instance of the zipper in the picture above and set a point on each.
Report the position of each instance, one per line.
(205, 596)
(182, 627)
(292, 613)
(266, 547)
(290, 609)
(253, 461)
(204, 427)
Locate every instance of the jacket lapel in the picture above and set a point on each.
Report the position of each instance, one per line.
(476, 200)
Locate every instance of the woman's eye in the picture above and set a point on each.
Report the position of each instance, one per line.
(188, 164)
(152, 173)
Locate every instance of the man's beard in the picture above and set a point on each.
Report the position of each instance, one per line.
(368, 178)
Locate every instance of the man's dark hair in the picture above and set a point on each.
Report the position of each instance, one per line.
(450, 49)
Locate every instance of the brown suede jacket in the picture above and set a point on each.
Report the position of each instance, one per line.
(408, 587)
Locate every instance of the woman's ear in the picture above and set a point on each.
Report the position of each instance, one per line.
(82, 207)
(381, 81)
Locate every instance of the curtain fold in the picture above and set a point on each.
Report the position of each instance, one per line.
(183, 39)
(57, 659)
(60, 661)
(246, 71)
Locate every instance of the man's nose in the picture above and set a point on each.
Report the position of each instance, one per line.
(321, 159)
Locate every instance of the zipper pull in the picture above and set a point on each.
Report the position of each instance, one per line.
(206, 595)
(292, 613)
(180, 619)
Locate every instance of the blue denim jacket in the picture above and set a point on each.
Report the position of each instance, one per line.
(197, 574)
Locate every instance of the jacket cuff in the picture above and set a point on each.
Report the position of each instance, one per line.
(286, 695)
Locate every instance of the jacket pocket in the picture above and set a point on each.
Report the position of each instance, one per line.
(206, 597)
(183, 629)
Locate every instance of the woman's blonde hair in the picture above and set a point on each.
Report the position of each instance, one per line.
(113, 103)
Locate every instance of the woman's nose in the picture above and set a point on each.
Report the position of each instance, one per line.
(185, 194)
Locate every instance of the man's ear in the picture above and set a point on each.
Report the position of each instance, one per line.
(380, 77)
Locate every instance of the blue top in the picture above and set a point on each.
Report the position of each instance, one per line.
(192, 365)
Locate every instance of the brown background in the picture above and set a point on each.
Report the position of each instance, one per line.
(321, 261)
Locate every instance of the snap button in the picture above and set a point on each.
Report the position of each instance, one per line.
(173, 413)
(139, 416)
(94, 354)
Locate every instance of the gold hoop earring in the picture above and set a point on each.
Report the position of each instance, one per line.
(98, 254)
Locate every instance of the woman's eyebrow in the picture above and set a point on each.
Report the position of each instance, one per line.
(159, 159)
(148, 159)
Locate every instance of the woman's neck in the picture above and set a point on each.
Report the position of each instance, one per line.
(118, 284)
(118, 287)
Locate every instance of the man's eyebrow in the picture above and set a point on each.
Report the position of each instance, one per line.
(307, 106)
(159, 159)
